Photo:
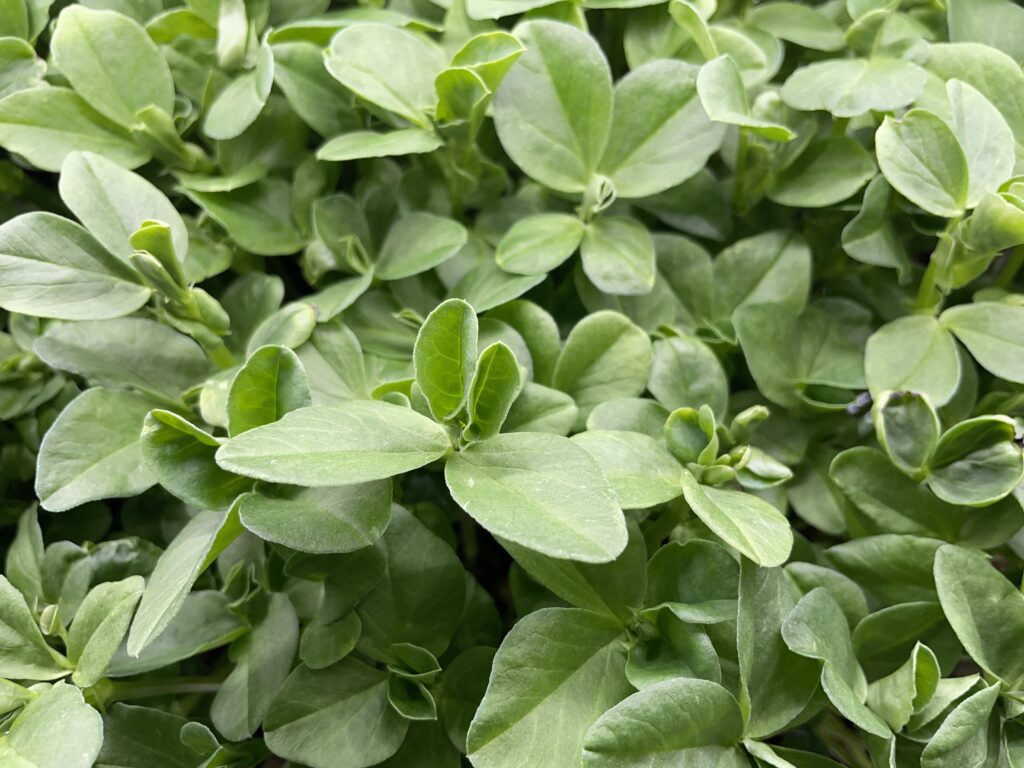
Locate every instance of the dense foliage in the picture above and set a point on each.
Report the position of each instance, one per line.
(321, 446)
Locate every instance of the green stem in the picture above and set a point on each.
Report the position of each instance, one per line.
(926, 298)
(741, 163)
(1009, 271)
(221, 356)
(171, 686)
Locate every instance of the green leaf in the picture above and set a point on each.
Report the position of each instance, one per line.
(390, 68)
(334, 519)
(20, 68)
(771, 268)
(907, 428)
(324, 445)
(95, 49)
(257, 216)
(420, 597)
(986, 138)
(678, 715)
(537, 244)
(851, 87)
(197, 545)
(915, 353)
(125, 352)
(321, 718)
(697, 581)
(130, 732)
(100, 626)
(542, 492)
(963, 737)
(320, 100)
(263, 659)
(618, 256)
(45, 125)
(92, 451)
(640, 471)
(776, 685)
(923, 161)
(52, 267)
(799, 24)
(660, 134)
(56, 730)
(977, 462)
(553, 110)
(753, 526)
(237, 106)
(416, 243)
(870, 237)
(359, 145)
(181, 458)
(827, 172)
(898, 695)
(112, 202)
(605, 356)
(685, 373)
(531, 687)
(985, 610)
(26, 653)
(270, 384)
(496, 384)
(724, 97)
(445, 358)
(995, 23)
(817, 629)
(991, 333)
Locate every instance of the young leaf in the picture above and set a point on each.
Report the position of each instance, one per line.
(272, 383)
(496, 384)
(445, 358)
(907, 428)
(100, 626)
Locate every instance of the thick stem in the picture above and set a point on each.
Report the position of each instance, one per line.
(171, 686)
(1009, 271)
